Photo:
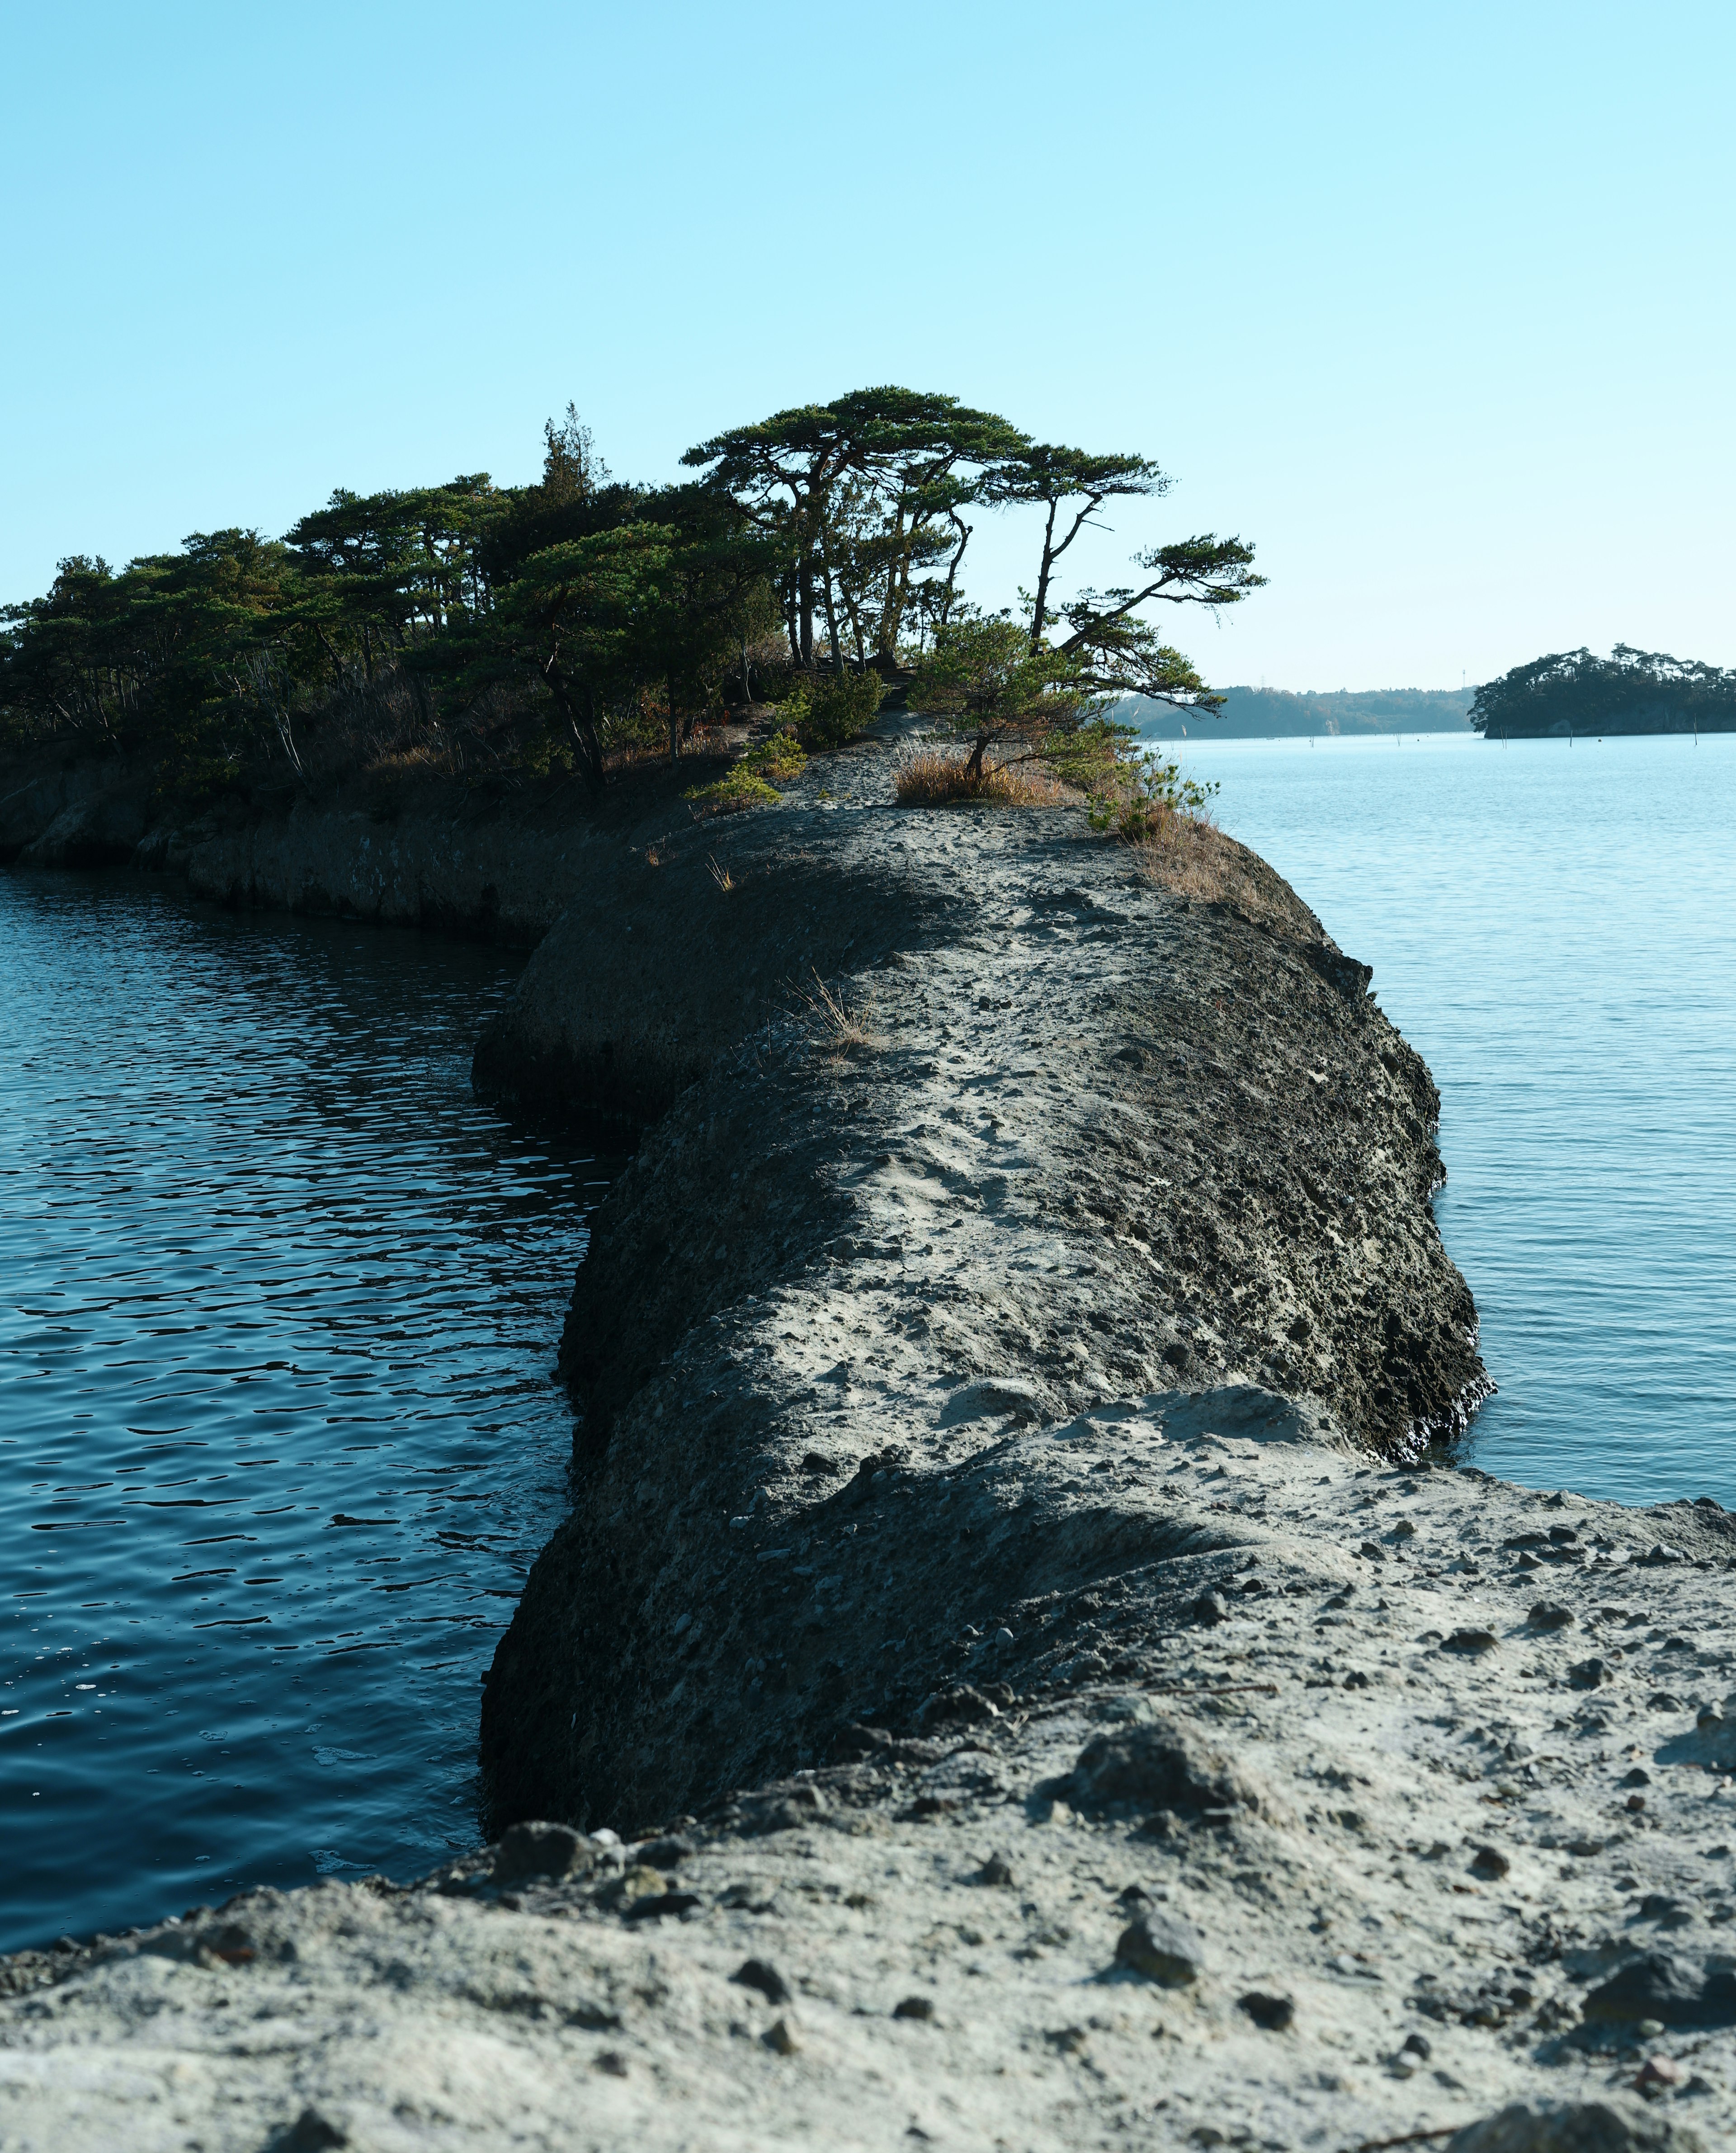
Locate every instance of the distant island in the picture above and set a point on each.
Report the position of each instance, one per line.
(1274, 713)
(1630, 691)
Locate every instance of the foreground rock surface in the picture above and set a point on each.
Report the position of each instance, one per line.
(1006, 1682)
(1400, 1882)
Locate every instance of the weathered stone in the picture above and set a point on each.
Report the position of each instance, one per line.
(1161, 1765)
(1667, 1990)
(1161, 1946)
(668, 1852)
(1595, 1673)
(531, 1850)
(1589, 2126)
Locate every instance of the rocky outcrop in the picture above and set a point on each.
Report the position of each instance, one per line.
(68, 815)
(1049, 1137)
(490, 859)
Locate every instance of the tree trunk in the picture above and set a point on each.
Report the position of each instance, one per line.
(805, 613)
(952, 567)
(669, 682)
(582, 724)
(1042, 582)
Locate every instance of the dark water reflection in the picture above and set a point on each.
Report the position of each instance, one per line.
(278, 1306)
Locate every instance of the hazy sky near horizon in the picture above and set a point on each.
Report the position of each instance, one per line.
(1434, 305)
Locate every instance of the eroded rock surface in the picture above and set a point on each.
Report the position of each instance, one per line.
(1063, 1139)
(1288, 1811)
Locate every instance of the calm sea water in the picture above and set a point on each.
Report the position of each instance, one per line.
(278, 1440)
(1554, 929)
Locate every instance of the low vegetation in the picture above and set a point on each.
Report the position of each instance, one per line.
(936, 777)
(779, 759)
(839, 1030)
(739, 788)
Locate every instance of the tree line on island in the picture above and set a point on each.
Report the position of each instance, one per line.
(584, 622)
(1571, 692)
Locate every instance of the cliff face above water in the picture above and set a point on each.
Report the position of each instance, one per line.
(493, 859)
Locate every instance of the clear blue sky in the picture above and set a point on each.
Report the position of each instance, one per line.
(1434, 304)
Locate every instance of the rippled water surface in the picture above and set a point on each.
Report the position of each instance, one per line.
(278, 1308)
(1554, 929)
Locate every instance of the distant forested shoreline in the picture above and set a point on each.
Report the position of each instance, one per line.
(1285, 713)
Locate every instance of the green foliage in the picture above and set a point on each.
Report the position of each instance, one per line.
(728, 796)
(581, 621)
(780, 758)
(1571, 690)
(988, 685)
(1144, 796)
(828, 710)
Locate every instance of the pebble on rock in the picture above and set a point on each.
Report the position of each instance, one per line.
(1159, 1946)
(1471, 1641)
(1551, 1615)
(920, 2008)
(1489, 1862)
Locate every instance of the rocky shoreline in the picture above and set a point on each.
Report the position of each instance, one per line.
(1017, 1671)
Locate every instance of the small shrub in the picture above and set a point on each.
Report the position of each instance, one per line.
(741, 788)
(930, 777)
(1144, 798)
(831, 709)
(779, 759)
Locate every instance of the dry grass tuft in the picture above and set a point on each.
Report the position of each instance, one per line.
(1189, 856)
(721, 876)
(841, 1031)
(934, 777)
